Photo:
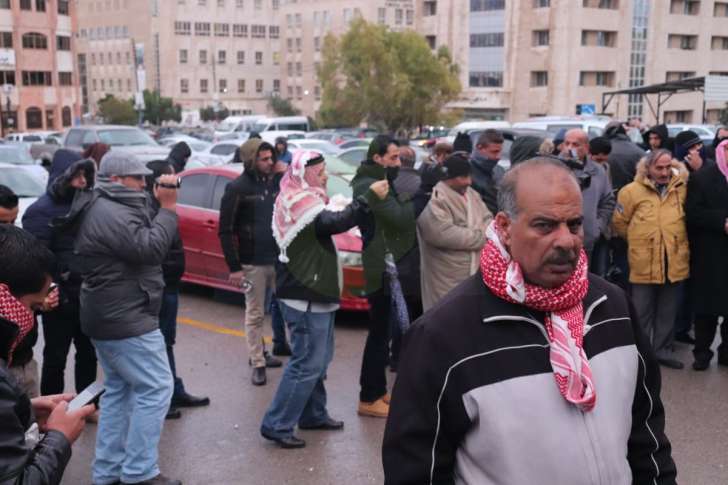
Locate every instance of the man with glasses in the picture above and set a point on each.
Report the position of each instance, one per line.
(246, 237)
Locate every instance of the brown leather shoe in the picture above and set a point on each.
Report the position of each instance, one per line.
(376, 409)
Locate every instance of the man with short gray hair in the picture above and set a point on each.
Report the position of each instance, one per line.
(532, 370)
(122, 248)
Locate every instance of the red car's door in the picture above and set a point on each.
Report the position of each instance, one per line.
(193, 212)
(217, 269)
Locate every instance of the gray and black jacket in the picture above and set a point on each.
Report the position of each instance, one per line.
(122, 247)
(476, 401)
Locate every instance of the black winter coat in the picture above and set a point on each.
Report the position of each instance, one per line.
(485, 181)
(19, 465)
(246, 218)
(623, 161)
(706, 208)
(312, 273)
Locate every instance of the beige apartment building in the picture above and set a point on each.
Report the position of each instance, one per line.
(522, 58)
(37, 72)
(202, 53)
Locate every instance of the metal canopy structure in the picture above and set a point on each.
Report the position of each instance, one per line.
(664, 91)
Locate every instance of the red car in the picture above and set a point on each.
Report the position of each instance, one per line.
(198, 209)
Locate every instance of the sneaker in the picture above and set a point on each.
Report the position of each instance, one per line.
(376, 409)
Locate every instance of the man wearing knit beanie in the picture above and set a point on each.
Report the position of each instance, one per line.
(689, 150)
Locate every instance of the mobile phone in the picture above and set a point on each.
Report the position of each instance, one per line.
(87, 396)
(52, 287)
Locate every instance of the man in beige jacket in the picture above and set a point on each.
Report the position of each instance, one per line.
(451, 231)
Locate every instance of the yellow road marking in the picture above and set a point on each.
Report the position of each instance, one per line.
(212, 327)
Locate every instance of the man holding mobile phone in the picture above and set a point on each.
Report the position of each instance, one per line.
(25, 278)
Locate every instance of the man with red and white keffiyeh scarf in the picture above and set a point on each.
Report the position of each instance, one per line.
(532, 370)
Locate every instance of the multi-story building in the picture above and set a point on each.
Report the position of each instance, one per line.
(202, 53)
(521, 58)
(305, 24)
(37, 72)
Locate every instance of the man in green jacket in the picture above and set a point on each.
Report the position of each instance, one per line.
(389, 229)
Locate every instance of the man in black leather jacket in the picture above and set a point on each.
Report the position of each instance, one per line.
(26, 459)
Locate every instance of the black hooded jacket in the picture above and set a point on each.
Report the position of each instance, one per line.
(179, 155)
(661, 131)
(623, 158)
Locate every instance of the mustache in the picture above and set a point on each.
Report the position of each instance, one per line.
(563, 257)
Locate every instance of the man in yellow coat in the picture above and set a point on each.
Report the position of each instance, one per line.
(650, 216)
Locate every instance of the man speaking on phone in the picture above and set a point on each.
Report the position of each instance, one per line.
(122, 247)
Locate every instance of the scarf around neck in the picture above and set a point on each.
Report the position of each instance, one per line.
(300, 200)
(564, 320)
(15, 312)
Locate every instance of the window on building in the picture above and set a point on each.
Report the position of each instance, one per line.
(118, 84)
(40, 5)
(685, 7)
(221, 57)
(276, 4)
(37, 78)
(241, 85)
(183, 56)
(222, 86)
(202, 3)
(679, 41)
(7, 77)
(203, 86)
(240, 3)
(678, 75)
(202, 29)
(128, 58)
(382, 15)
(596, 78)
(299, 92)
(720, 9)
(258, 4)
(221, 3)
(409, 17)
(103, 85)
(65, 78)
(397, 16)
(317, 44)
(34, 40)
(241, 57)
(63, 10)
(63, 43)
(682, 116)
(258, 31)
(5, 4)
(66, 116)
(299, 69)
(118, 58)
(431, 41)
(93, 59)
(486, 5)
(203, 57)
(299, 44)
(6, 40)
(222, 30)
(429, 8)
(539, 78)
(128, 85)
(540, 38)
(274, 32)
(493, 39)
(33, 118)
(719, 42)
(289, 69)
(486, 79)
(299, 19)
(541, 3)
(317, 92)
(290, 92)
(276, 58)
(258, 86)
(258, 58)
(240, 30)
(598, 38)
(183, 28)
(26, 5)
(276, 85)
(605, 4)
(50, 119)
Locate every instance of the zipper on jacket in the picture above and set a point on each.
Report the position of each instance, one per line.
(518, 318)
(592, 452)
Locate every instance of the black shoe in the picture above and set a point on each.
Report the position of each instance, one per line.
(270, 361)
(283, 350)
(289, 442)
(258, 378)
(173, 413)
(671, 363)
(159, 480)
(701, 364)
(328, 425)
(393, 364)
(185, 400)
(685, 338)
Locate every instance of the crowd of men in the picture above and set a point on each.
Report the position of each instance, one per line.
(509, 264)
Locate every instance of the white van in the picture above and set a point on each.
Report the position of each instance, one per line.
(283, 123)
(234, 124)
(468, 126)
(592, 125)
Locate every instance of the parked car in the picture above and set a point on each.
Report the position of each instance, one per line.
(354, 156)
(25, 137)
(592, 125)
(216, 154)
(296, 123)
(123, 138)
(270, 136)
(705, 132)
(356, 142)
(195, 144)
(325, 147)
(27, 183)
(198, 206)
(237, 124)
(330, 136)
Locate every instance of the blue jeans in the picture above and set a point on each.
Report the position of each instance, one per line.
(168, 327)
(301, 395)
(277, 322)
(138, 386)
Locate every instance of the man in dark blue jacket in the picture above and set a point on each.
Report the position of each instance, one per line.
(62, 326)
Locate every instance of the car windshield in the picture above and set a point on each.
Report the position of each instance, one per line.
(227, 126)
(260, 127)
(21, 182)
(17, 155)
(126, 137)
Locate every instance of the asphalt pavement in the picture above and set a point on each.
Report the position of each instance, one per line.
(221, 444)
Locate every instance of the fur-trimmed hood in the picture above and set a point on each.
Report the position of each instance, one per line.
(680, 174)
(60, 187)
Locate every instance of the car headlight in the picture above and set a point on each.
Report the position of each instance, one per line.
(347, 258)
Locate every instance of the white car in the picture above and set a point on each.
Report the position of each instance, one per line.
(354, 156)
(705, 132)
(127, 139)
(270, 136)
(195, 144)
(26, 181)
(324, 147)
(216, 154)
